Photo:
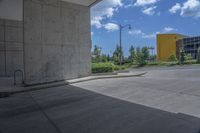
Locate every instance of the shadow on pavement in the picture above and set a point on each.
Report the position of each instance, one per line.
(70, 109)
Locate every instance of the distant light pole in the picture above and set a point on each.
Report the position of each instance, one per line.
(151, 53)
(152, 49)
(120, 39)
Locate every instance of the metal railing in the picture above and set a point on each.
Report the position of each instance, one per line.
(22, 77)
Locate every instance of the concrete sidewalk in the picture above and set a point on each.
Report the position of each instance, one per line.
(118, 75)
(69, 109)
(7, 86)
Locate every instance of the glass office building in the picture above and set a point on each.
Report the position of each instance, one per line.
(189, 45)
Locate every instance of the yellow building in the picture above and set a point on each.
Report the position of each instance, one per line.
(166, 45)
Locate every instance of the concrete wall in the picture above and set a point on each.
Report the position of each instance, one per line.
(56, 40)
(11, 9)
(11, 46)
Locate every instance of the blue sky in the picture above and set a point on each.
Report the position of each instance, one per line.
(147, 17)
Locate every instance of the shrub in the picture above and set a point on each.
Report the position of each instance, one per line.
(198, 55)
(102, 67)
(140, 59)
(188, 57)
(172, 58)
(153, 63)
(190, 61)
(117, 68)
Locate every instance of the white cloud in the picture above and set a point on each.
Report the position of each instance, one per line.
(190, 8)
(103, 10)
(128, 5)
(175, 8)
(140, 33)
(149, 11)
(111, 27)
(136, 32)
(96, 21)
(145, 2)
(92, 33)
(148, 6)
(168, 29)
(149, 36)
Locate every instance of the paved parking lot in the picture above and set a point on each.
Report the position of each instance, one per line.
(109, 106)
(173, 89)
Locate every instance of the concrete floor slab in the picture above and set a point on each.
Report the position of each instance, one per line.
(105, 106)
(73, 109)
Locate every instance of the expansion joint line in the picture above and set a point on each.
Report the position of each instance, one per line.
(45, 114)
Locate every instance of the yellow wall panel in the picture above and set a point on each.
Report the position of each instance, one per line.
(166, 45)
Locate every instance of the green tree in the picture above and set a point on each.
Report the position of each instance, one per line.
(104, 58)
(145, 52)
(108, 58)
(96, 54)
(132, 53)
(138, 50)
(140, 60)
(116, 55)
(142, 55)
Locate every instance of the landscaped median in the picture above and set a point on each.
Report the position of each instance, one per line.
(105, 67)
(102, 67)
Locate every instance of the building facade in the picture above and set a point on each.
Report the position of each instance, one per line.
(166, 45)
(189, 45)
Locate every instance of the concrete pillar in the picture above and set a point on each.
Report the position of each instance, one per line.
(56, 41)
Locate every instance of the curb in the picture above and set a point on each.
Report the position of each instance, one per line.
(66, 82)
(107, 77)
(33, 88)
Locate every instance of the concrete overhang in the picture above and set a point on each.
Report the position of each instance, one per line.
(88, 3)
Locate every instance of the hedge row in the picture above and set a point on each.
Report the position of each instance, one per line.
(102, 67)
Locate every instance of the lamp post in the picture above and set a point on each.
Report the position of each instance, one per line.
(120, 39)
(151, 51)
